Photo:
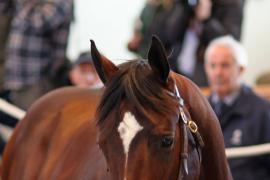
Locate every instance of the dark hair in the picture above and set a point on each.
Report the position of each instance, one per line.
(84, 57)
(190, 3)
(188, 6)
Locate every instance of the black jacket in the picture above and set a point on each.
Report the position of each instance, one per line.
(226, 18)
(247, 122)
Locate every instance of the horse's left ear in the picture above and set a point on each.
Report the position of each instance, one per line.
(158, 59)
(104, 67)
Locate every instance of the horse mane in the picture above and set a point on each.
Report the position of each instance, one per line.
(136, 83)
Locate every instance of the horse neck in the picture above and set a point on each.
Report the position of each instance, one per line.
(214, 161)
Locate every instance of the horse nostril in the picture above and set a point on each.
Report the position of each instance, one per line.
(167, 142)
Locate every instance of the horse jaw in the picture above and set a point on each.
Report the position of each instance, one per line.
(128, 129)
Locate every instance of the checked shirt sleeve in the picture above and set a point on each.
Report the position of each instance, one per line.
(49, 14)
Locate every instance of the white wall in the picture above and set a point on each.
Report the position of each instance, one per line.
(110, 24)
(256, 38)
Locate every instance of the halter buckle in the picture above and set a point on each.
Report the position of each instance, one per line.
(192, 126)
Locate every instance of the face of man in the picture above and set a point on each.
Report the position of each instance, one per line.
(222, 71)
(203, 10)
(84, 75)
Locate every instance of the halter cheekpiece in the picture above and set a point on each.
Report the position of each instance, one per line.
(188, 127)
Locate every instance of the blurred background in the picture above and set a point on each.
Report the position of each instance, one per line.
(34, 60)
(110, 24)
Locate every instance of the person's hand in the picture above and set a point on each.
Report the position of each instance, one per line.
(203, 10)
(135, 42)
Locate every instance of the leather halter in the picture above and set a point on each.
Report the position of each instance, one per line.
(188, 127)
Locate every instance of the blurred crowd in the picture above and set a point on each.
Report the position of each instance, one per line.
(202, 40)
(33, 43)
(186, 27)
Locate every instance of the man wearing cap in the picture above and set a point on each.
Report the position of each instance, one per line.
(244, 116)
(83, 73)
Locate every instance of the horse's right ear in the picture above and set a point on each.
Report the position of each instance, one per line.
(104, 67)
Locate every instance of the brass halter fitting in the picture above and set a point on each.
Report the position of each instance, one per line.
(183, 115)
(192, 126)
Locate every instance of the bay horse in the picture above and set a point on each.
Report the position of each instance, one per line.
(149, 123)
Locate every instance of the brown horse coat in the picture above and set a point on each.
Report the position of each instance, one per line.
(56, 139)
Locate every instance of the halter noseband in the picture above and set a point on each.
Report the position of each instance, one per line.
(188, 127)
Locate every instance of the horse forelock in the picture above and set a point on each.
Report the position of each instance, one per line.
(134, 84)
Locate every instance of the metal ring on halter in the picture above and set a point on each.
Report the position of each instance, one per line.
(192, 126)
(183, 115)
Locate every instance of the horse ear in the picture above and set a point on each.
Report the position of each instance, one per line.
(104, 67)
(158, 60)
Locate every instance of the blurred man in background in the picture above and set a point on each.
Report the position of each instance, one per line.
(83, 73)
(193, 25)
(244, 116)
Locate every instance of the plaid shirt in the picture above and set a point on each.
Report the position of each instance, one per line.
(6, 7)
(38, 37)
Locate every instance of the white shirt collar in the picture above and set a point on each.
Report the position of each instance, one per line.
(228, 100)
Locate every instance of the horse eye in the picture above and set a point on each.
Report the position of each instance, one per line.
(167, 142)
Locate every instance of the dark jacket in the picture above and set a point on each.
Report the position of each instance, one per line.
(247, 122)
(226, 18)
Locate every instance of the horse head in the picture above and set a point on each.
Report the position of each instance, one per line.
(138, 118)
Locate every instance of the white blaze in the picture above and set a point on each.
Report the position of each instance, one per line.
(128, 129)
